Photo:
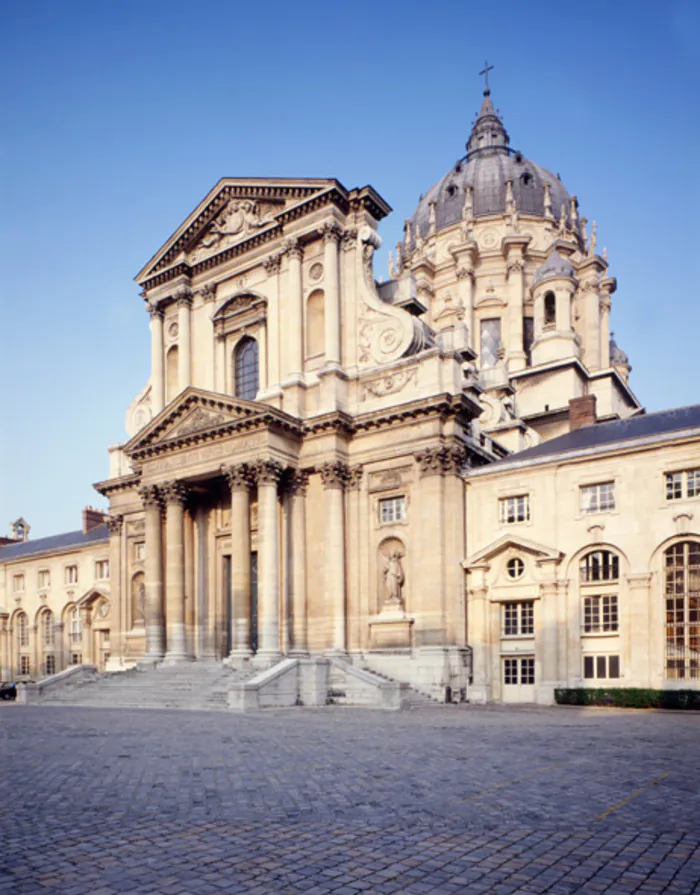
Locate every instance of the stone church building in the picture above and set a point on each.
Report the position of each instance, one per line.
(443, 477)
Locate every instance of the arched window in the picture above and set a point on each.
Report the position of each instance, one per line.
(315, 314)
(22, 623)
(245, 364)
(599, 579)
(599, 565)
(550, 309)
(47, 628)
(171, 374)
(682, 594)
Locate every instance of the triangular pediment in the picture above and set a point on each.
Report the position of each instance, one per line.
(540, 552)
(197, 413)
(236, 211)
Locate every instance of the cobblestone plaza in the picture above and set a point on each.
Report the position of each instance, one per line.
(433, 800)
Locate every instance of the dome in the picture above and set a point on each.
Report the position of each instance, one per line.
(486, 168)
(553, 266)
(618, 358)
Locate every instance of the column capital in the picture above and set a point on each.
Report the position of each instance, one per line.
(174, 491)
(349, 239)
(516, 265)
(267, 472)
(239, 476)
(272, 263)
(208, 293)
(297, 482)
(441, 460)
(334, 475)
(354, 477)
(331, 232)
(293, 248)
(150, 496)
(155, 312)
(114, 523)
(465, 271)
(183, 298)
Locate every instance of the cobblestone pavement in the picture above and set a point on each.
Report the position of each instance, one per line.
(435, 800)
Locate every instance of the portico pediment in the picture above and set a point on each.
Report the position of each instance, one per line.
(238, 211)
(509, 542)
(197, 416)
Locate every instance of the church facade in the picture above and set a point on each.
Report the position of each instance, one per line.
(313, 465)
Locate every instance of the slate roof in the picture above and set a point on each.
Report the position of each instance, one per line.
(645, 426)
(56, 542)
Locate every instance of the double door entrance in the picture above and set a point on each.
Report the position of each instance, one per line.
(518, 677)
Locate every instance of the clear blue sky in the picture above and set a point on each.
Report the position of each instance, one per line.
(119, 115)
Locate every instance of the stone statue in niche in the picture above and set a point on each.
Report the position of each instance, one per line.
(139, 603)
(394, 579)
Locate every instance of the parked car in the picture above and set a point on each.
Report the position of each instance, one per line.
(8, 691)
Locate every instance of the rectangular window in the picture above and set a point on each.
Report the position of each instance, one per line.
(50, 665)
(102, 568)
(76, 659)
(392, 509)
(600, 614)
(490, 342)
(44, 578)
(683, 484)
(601, 667)
(518, 618)
(598, 498)
(514, 509)
(24, 664)
(18, 583)
(71, 574)
(139, 551)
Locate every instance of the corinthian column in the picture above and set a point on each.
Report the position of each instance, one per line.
(267, 474)
(157, 380)
(155, 632)
(184, 372)
(240, 478)
(298, 483)
(331, 238)
(175, 494)
(334, 477)
(114, 523)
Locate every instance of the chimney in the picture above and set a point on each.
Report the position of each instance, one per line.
(92, 518)
(582, 412)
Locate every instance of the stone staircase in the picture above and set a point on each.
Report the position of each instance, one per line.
(416, 698)
(192, 685)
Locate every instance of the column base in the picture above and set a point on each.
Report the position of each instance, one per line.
(177, 659)
(238, 657)
(148, 663)
(265, 658)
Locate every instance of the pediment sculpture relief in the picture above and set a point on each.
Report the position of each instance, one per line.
(239, 219)
(199, 419)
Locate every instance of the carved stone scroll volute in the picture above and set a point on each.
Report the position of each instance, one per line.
(386, 333)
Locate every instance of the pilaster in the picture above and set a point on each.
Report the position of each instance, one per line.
(157, 360)
(184, 307)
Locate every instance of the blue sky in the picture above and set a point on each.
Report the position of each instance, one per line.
(118, 117)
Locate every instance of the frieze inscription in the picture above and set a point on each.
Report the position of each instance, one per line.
(206, 453)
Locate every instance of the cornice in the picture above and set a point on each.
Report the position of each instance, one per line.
(334, 195)
(122, 483)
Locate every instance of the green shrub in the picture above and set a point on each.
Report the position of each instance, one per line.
(629, 697)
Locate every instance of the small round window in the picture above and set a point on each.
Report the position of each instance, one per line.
(515, 568)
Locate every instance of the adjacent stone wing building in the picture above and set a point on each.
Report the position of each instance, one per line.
(324, 463)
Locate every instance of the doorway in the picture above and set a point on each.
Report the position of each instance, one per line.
(518, 679)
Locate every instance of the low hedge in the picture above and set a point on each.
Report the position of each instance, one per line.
(629, 697)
